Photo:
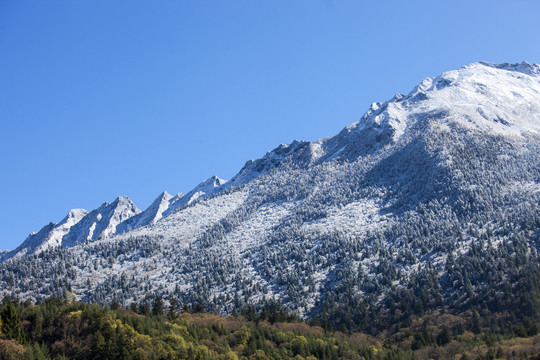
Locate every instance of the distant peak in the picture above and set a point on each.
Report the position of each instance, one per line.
(218, 181)
(73, 216)
(122, 204)
(74, 213)
(165, 196)
(212, 181)
(123, 199)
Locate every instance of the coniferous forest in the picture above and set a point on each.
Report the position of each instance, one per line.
(64, 329)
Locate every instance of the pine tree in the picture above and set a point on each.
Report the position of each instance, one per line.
(476, 328)
(115, 305)
(172, 308)
(144, 309)
(38, 352)
(157, 309)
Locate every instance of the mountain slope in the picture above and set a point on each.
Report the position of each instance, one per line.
(428, 202)
(50, 235)
(110, 219)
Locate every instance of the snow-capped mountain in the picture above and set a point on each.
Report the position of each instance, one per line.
(429, 201)
(101, 222)
(110, 219)
(50, 235)
(151, 215)
(208, 187)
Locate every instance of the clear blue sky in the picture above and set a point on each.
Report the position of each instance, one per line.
(104, 98)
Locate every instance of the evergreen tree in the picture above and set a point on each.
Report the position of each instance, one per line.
(157, 309)
(38, 352)
(144, 309)
(115, 305)
(11, 323)
(475, 327)
(172, 308)
(444, 336)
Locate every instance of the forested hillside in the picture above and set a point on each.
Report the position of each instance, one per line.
(60, 329)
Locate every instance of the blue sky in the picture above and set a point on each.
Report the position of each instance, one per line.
(106, 98)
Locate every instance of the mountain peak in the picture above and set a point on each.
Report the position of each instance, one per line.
(482, 96)
(75, 214)
(213, 181)
(101, 222)
(124, 200)
(210, 186)
(165, 195)
(271, 160)
(151, 215)
(50, 235)
(205, 188)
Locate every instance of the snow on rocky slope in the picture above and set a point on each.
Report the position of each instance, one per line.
(50, 235)
(117, 217)
(151, 215)
(101, 222)
(208, 187)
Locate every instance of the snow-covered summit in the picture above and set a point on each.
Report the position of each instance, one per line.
(501, 99)
(494, 99)
(101, 222)
(497, 99)
(110, 219)
(74, 214)
(151, 215)
(210, 186)
(50, 235)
